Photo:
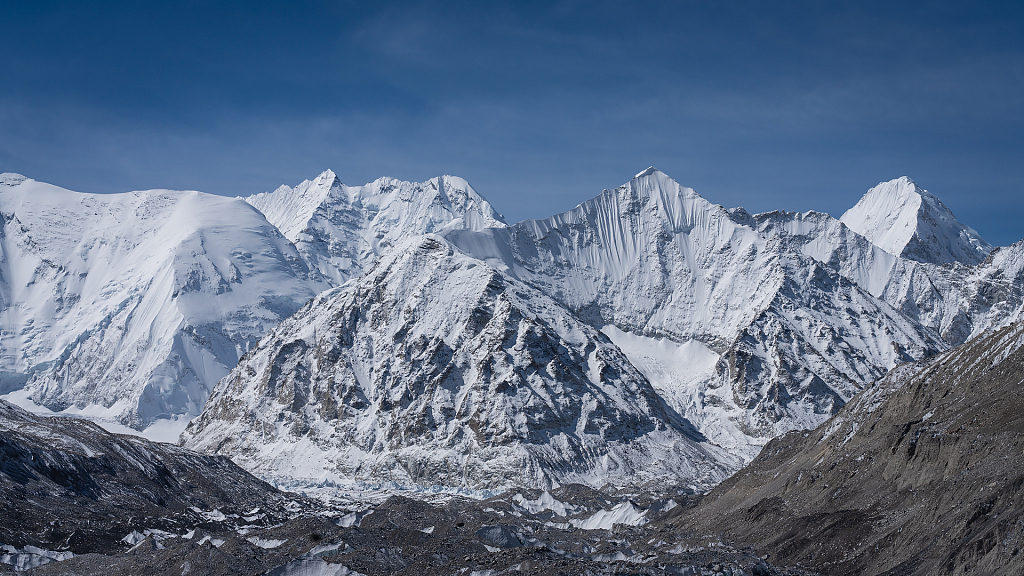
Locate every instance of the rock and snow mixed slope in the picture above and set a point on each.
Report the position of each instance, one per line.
(830, 242)
(919, 474)
(435, 368)
(340, 230)
(908, 221)
(134, 305)
(959, 301)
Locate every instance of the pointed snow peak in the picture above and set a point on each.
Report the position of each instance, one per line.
(904, 219)
(650, 171)
(291, 208)
(653, 178)
(652, 183)
(327, 177)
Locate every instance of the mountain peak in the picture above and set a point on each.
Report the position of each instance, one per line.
(327, 177)
(650, 171)
(342, 229)
(906, 220)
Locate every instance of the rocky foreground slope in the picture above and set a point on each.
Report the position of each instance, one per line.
(68, 488)
(919, 474)
(76, 500)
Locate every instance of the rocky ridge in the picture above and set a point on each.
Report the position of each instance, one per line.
(786, 305)
(747, 326)
(341, 230)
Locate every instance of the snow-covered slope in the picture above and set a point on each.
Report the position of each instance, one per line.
(650, 257)
(435, 368)
(784, 301)
(830, 242)
(340, 230)
(960, 301)
(134, 305)
(908, 221)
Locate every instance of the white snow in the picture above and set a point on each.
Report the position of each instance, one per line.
(30, 557)
(312, 567)
(544, 502)
(906, 220)
(130, 307)
(718, 308)
(215, 542)
(341, 230)
(671, 367)
(352, 519)
(464, 363)
(133, 538)
(214, 515)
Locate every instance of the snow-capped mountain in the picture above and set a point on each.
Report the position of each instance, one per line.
(784, 337)
(340, 230)
(710, 326)
(134, 305)
(956, 299)
(829, 241)
(908, 221)
(436, 368)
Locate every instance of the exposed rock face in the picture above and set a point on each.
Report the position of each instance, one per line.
(435, 368)
(919, 474)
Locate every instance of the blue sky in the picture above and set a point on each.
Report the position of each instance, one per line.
(791, 105)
